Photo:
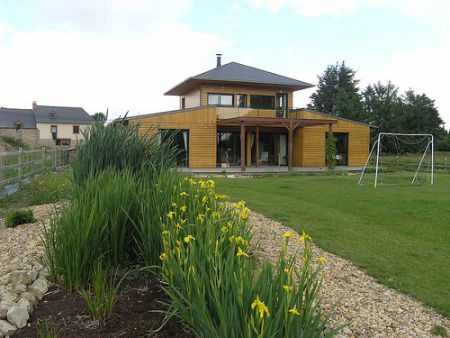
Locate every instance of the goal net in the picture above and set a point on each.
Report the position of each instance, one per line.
(400, 159)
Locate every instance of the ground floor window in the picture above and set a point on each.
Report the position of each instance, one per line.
(272, 148)
(63, 141)
(228, 148)
(179, 140)
(341, 148)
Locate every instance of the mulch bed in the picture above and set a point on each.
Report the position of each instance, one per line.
(131, 317)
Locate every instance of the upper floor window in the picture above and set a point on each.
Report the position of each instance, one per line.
(18, 125)
(242, 100)
(220, 99)
(262, 102)
(76, 129)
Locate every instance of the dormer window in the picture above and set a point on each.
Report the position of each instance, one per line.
(52, 114)
(18, 125)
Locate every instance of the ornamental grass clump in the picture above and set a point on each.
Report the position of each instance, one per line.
(18, 217)
(215, 286)
(101, 295)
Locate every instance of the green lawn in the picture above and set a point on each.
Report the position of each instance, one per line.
(47, 188)
(398, 234)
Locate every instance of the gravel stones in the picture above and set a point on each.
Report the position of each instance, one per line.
(6, 329)
(17, 316)
(22, 275)
(39, 288)
(370, 308)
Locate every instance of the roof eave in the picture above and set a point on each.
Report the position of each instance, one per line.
(191, 83)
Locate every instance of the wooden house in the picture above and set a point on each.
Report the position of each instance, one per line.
(236, 115)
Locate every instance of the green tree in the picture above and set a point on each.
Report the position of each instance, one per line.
(99, 117)
(338, 93)
(383, 107)
(420, 115)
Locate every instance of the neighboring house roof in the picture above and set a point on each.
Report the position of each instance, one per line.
(57, 114)
(235, 72)
(9, 117)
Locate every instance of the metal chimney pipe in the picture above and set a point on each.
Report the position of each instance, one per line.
(219, 60)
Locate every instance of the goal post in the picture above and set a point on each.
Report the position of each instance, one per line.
(422, 144)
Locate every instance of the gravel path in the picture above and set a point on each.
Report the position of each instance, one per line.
(373, 310)
(23, 243)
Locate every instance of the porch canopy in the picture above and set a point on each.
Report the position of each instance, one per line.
(275, 122)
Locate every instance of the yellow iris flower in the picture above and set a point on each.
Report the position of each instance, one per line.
(261, 307)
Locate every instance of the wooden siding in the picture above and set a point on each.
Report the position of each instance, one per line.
(191, 99)
(230, 112)
(201, 124)
(227, 89)
(309, 142)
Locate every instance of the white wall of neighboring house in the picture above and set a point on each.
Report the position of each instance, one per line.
(64, 131)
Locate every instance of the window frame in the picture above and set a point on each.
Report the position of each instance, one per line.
(261, 106)
(76, 129)
(245, 100)
(220, 104)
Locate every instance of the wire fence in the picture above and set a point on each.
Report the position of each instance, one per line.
(20, 165)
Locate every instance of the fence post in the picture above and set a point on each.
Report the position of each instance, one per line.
(1, 163)
(54, 157)
(20, 166)
(33, 164)
(43, 157)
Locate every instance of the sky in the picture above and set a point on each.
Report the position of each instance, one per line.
(123, 55)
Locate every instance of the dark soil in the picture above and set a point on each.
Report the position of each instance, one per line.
(131, 317)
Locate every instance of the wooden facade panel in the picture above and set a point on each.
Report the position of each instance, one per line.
(226, 89)
(191, 99)
(178, 119)
(309, 142)
(231, 112)
(202, 147)
(201, 124)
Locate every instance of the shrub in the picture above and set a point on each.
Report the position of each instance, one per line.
(330, 151)
(14, 142)
(19, 217)
(100, 299)
(122, 148)
(214, 284)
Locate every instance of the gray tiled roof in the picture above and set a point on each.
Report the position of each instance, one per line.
(236, 72)
(9, 117)
(70, 115)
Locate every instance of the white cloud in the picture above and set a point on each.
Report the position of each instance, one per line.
(336, 8)
(103, 67)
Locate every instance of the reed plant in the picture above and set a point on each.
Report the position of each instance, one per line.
(155, 200)
(101, 296)
(217, 288)
(96, 224)
(123, 148)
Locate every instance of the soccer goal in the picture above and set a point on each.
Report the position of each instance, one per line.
(400, 159)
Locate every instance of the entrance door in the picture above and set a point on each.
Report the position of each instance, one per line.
(282, 105)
